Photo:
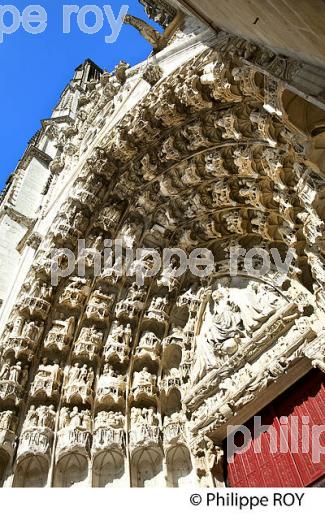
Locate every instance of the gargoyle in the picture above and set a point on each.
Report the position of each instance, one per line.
(149, 33)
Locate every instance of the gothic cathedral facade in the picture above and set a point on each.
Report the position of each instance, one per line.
(213, 142)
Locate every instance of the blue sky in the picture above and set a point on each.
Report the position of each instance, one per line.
(36, 68)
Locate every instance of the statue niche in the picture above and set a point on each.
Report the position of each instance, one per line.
(118, 344)
(108, 450)
(21, 337)
(110, 387)
(47, 380)
(13, 380)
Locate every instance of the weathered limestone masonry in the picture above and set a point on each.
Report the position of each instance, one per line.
(212, 142)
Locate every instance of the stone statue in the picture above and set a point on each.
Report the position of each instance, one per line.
(118, 342)
(99, 304)
(121, 334)
(47, 376)
(75, 292)
(219, 335)
(72, 374)
(15, 372)
(40, 417)
(31, 330)
(169, 276)
(109, 420)
(5, 372)
(31, 418)
(46, 416)
(8, 420)
(109, 379)
(143, 416)
(262, 302)
(90, 335)
(143, 378)
(64, 420)
(75, 418)
(86, 420)
(148, 32)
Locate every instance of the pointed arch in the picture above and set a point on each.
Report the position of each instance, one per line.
(71, 471)
(32, 471)
(108, 469)
(146, 468)
(180, 471)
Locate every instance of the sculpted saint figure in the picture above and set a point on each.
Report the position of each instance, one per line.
(101, 420)
(168, 276)
(158, 304)
(262, 303)
(31, 330)
(15, 372)
(72, 374)
(75, 418)
(219, 335)
(144, 377)
(64, 419)
(31, 418)
(8, 420)
(15, 327)
(115, 419)
(47, 373)
(121, 334)
(226, 321)
(144, 416)
(46, 416)
(129, 233)
(135, 293)
(109, 379)
(150, 416)
(41, 290)
(109, 420)
(4, 372)
(86, 420)
(136, 416)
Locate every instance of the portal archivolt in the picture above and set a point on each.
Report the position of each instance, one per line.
(148, 377)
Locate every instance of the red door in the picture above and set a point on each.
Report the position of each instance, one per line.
(297, 461)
